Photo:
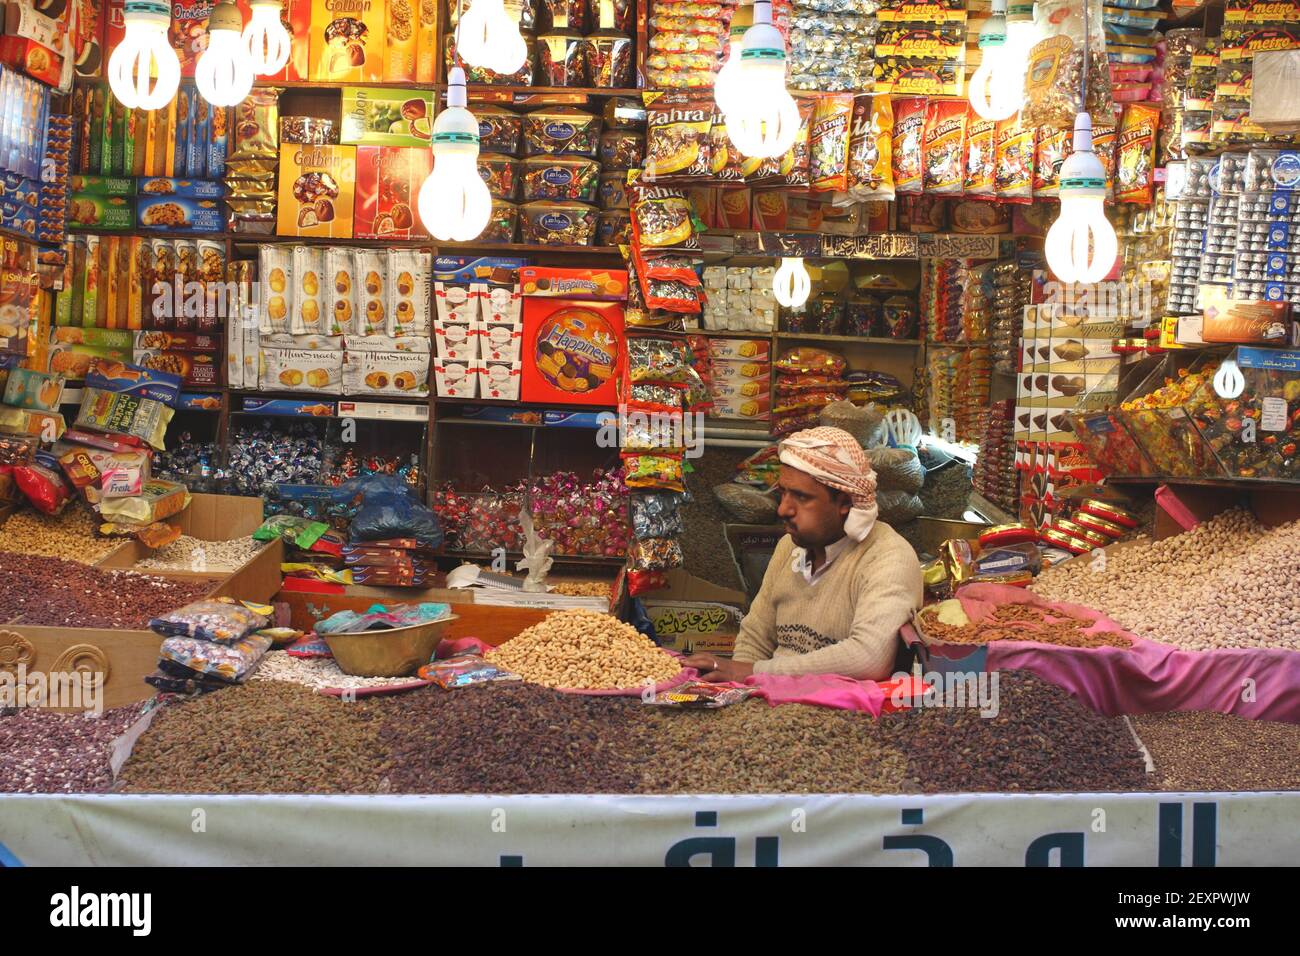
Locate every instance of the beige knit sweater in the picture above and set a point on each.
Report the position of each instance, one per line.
(845, 622)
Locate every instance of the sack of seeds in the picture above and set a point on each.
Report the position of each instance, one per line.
(745, 503)
(897, 469)
(863, 422)
(898, 507)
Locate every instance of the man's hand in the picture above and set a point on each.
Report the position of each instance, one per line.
(717, 670)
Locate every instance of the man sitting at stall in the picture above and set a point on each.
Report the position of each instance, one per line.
(840, 583)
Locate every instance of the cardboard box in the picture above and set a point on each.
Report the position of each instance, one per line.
(100, 213)
(692, 616)
(456, 341)
(317, 186)
(548, 282)
(571, 351)
(347, 41)
(175, 214)
(386, 373)
(295, 15)
(745, 350)
(374, 116)
(455, 379)
(384, 411)
(401, 41)
(500, 341)
(388, 184)
(499, 380)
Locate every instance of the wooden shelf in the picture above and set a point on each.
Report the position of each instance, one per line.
(528, 247)
(848, 339)
(249, 239)
(512, 555)
(480, 89)
(525, 406)
(318, 397)
(1244, 484)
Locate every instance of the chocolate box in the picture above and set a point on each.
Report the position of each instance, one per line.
(388, 183)
(317, 186)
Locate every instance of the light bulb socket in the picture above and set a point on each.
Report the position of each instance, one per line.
(762, 12)
(763, 42)
(146, 11)
(225, 16)
(259, 4)
(994, 32)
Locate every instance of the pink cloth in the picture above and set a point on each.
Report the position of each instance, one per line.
(1148, 677)
(820, 690)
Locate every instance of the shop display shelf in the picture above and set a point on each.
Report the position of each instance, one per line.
(252, 239)
(9, 233)
(1242, 484)
(482, 91)
(325, 399)
(847, 339)
(526, 247)
(539, 406)
(600, 559)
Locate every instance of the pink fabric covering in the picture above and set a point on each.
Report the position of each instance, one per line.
(1148, 677)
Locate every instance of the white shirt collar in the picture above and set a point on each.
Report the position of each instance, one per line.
(803, 563)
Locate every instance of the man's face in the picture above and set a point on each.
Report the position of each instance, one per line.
(813, 513)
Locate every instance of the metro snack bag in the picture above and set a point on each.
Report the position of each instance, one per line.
(678, 142)
(1013, 174)
(830, 134)
(981, 140)
(347, 40)
(871, 140)
(1135, 169)
(908, 145)
(943, 148)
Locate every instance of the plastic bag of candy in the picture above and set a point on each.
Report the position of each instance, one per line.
(654, 471)
(233, 662)
(657, 514)
(652, 359)
(299, 532)
(656, 554)
(463, 670)
(220, 620)
(810, 361)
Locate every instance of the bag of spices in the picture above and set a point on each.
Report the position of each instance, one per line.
(907, 145)
(871, 166)
(944, 146)
(1013, 174)
(1135, 171)
(981, 138)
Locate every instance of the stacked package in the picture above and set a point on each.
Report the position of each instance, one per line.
(1249, 28)
(832, 44)
(687, 42)
(956, 300)
(478, 327)
(808, 380)
(210, 644)
(920, 47)
(740, 378)
(740, 299)
(995, 469)
(1267, 260)
(1136, 51)
(1011, 288)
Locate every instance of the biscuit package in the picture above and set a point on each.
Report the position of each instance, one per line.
(369, 281)
(408, 293)
(340, 298)
(124, 414)
(275, 279)
(309, 296)
(301, 370)
(386, 373)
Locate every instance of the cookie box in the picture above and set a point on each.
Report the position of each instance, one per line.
(386, 373)
(176, 214)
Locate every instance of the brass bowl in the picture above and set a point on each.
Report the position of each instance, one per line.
(396, 652)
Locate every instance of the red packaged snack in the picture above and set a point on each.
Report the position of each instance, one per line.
(1052, 148)
(829, 137)
(1013, 174)
(908, 146)
(944, 147)
(1135, 170)
(46, 490)
(981, 139)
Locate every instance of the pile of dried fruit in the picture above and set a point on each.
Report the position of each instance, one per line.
(585, 650)
(1199, 750)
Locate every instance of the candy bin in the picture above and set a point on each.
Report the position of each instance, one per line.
(1257, 433)
(452, 509)
(1160, 423)
(1109, 443)
(587, 518)
(492, 521)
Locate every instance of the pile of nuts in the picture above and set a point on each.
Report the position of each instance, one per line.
(1021, 622)
(57, 593)
(1201, 750)
(69, 535)
(262, 737)
(196, 555)
(46, 752)
(581, 588)
(1229, 582)
(585, 650)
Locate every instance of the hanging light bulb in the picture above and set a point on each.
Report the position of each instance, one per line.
(487, 37)
(1083, 215)
(991, 92)
(454, 202)
(265, 38)
(144, 56)
(791, 284)
(726, 85)
(1228, 380)
(224, 72)
(764, 120)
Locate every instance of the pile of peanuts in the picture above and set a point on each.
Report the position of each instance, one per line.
(1229, 582)
(584, 650)
(581, 588)
(1022, 622)
(69, 535)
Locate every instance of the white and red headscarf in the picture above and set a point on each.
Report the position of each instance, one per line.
(834, 457)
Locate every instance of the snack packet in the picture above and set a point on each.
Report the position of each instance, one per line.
(908, 146)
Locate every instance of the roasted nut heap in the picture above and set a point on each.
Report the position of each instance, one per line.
(1022, 622)
(45, 752)
(1200, 750)
(1229, 582)
(70, 535)
(193, 554)
(584, 650)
